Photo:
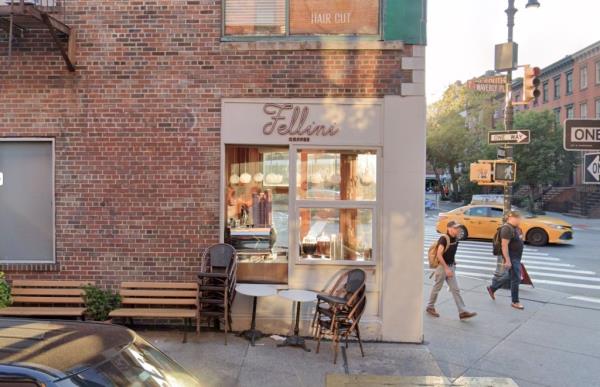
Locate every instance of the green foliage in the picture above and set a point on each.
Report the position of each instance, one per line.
(457, 127)
(544, 161)
(99, 303)
(4, 292)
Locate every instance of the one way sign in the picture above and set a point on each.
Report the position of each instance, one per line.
(509, 137)
(592, 168)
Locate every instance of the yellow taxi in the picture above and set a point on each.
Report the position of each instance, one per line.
(482, 221)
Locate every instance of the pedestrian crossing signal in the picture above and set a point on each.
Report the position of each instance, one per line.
(505, 172)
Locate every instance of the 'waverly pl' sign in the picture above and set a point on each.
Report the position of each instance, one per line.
(291, 120)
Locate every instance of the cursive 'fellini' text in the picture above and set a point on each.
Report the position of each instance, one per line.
(294, 123)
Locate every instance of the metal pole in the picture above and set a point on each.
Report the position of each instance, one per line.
(508, 125)
(509, 110)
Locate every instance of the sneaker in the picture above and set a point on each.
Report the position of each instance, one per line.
(432, 312)
(517, 305)
(467, 315)
(491, 293)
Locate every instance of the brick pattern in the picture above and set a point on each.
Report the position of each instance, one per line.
(137, 127)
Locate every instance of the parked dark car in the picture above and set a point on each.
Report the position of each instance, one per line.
(68, 353)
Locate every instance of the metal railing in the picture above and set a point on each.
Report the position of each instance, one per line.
(55, 7)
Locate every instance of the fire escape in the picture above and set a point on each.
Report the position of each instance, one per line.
(17, 17)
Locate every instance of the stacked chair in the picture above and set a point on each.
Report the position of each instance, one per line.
(216, 285)
(340, 309)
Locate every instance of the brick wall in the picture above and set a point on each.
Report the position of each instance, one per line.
(137, 126)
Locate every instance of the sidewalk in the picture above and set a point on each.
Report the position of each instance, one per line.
(554, 342)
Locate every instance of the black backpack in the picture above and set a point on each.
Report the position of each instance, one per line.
(497, 241)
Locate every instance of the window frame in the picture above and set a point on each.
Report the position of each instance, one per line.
(570, 108)
(583, 70)
(597, 107)
(581, 105)
(545, 91)
(52, 142)
(598, 72)
(557, 87)
(301, 37)
(296, 204)
(569, 80)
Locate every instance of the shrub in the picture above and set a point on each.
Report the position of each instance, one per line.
(4, 292)
(99, 303)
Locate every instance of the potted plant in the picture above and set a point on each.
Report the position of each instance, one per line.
(4, 292)
(99, 303)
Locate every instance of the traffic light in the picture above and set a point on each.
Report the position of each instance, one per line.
(531, 84)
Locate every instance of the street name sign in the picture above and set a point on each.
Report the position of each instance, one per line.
(514, 137)
(582, 135)
(505, 172)
(591, 170)
(495, 84)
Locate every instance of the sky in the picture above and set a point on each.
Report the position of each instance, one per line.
(462, 35)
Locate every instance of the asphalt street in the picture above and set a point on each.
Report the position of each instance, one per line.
(572, 268)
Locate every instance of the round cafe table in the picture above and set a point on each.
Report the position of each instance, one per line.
(298, 296)
(254, 291)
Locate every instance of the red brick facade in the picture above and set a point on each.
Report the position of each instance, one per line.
(137, 127)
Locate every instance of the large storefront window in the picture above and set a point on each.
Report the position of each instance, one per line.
(336, 191)
(257, 198)
(301, 17)
(332, 196)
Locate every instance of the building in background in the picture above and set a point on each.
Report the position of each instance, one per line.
(146, 131)
(570, 88)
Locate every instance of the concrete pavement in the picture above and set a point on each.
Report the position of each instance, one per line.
(555, 341)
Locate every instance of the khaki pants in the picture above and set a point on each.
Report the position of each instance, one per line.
(440, 277)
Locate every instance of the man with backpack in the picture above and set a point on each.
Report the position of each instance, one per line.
(508, 242)
(442, 258)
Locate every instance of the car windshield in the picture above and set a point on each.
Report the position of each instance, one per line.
(140, 364)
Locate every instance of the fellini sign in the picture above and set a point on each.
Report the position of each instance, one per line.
(334, 17)
(318, 121)
(287, 119)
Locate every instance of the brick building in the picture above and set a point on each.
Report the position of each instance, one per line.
(181, 118)
(570, 86)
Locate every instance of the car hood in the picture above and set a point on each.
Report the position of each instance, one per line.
(548, 220)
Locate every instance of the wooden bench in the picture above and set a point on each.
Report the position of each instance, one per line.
(159, 300)
(46, 298)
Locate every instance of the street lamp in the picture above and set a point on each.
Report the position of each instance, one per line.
(508, 117)
(509, 111)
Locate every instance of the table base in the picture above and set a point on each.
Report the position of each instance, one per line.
(252, 335)
(294, 341)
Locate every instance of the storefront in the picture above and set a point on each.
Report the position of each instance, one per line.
(303, 198)
(293, 129)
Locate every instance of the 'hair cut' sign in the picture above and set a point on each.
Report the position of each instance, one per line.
(293, 120)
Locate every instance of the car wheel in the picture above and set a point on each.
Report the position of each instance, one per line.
(537, 237)
(462, 233)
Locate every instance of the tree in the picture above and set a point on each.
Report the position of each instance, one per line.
(456, 128)
(543, 161)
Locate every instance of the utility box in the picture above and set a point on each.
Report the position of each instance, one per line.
(507, 56)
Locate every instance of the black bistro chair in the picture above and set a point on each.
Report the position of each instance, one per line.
(216, 285)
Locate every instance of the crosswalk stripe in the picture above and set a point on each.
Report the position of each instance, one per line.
(486, 265)
(535, 281)
(482, 246)
(460, 253)
(527, 261)
(588, 299)
(485, 247)
(534, 273)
